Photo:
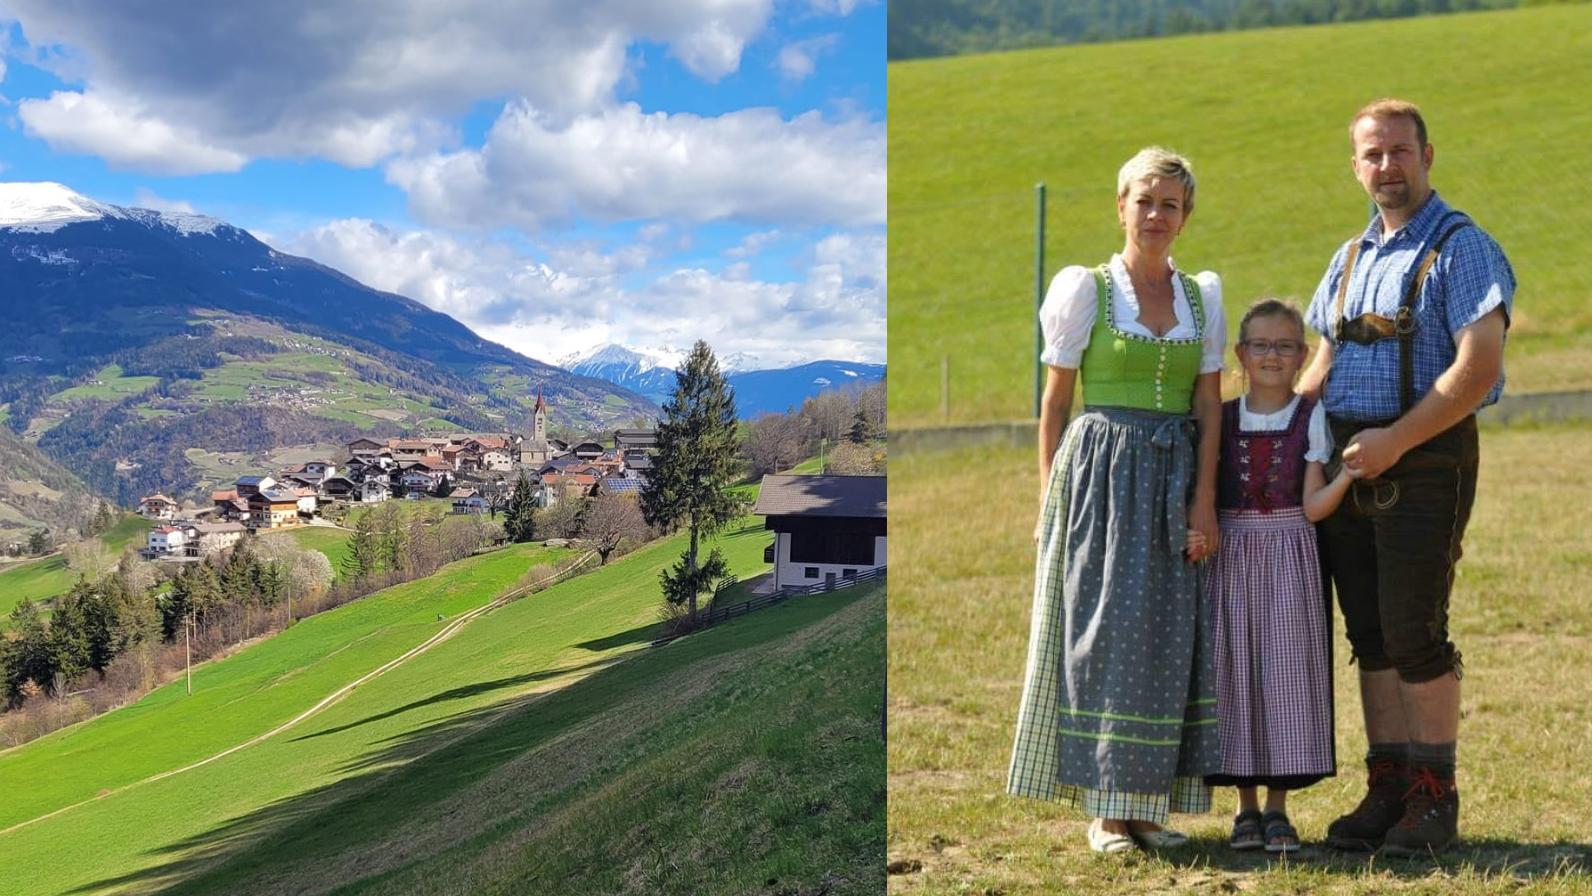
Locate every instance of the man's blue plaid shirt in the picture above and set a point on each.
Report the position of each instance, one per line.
(1470, 278)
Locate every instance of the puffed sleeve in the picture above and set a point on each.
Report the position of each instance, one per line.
(1320, 447)
(1067, 316)
(1215, 321)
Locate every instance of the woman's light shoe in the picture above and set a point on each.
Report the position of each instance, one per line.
(1161, 839)
(1102, 840)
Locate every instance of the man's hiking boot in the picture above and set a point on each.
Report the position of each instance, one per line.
(1382, 808)
(1431, 817)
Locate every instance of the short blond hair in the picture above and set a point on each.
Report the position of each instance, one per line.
(1153, 162)
(1389, 107)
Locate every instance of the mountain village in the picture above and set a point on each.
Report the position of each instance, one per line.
(475, 471)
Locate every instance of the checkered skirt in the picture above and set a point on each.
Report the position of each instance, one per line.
(1118, 712)
(1269, 618)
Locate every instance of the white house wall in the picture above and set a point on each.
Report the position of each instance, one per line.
(789, 573)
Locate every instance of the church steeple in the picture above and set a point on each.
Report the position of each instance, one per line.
(539, 430)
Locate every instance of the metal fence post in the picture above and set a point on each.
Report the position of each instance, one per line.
(1039, 292)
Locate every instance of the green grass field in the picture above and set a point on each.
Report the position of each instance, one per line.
(1264, 117)
(49, 576)
(959, 614)
(331, 542)
(112, 385)
(245, 818)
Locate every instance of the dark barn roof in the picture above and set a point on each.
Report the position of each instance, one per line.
(822, 496)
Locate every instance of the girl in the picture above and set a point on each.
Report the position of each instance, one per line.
(1269, 618)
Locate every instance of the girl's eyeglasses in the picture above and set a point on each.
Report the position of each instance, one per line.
(1285, 348)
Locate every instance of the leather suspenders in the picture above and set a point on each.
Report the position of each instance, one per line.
(1369, 328)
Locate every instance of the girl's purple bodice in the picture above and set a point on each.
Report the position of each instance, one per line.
(1263, 470)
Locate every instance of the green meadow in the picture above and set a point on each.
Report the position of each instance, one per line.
(1264, 116)
(331, 542)
(959, 616)
(48, 576)
(442, 766)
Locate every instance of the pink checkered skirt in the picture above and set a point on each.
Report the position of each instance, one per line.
(1270, 634)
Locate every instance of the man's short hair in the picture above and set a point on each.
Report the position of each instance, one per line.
(1388, 107)
(1152, 162)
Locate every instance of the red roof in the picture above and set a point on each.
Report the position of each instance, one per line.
(227, 495)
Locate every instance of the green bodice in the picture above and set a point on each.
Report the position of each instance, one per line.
(1127, 370)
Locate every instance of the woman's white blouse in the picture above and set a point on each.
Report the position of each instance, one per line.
(1068, 314)
(1320, 436)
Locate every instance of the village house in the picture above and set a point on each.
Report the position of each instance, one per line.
(273, 508)
(203, 539)
(373, 491)
(635, 440)
(157, 507)
(587, 451)
(620, 484)
(253, 485)
(365, 449)
(825, 527)
(226, 505)
(468, 500)
(164, 540)
(555, 486)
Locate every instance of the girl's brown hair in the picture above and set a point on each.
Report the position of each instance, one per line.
(1268, 308)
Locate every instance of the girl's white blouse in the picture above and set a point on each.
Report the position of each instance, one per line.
(1068, 314)
(1320, 436)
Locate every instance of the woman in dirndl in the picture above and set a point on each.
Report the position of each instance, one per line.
(1118, 714)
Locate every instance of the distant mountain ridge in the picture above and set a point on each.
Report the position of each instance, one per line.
(135, 336)
(651, 373)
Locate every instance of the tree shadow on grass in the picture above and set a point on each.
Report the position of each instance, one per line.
(1492, 856)
(639, 634)
(469, 690)
(409, 775)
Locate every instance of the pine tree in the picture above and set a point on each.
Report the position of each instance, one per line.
(519, 520)
(361, 558)
(698, 443)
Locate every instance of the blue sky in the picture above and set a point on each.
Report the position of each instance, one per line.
(556, 176)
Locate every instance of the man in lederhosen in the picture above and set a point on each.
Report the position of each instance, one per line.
(1412, 313)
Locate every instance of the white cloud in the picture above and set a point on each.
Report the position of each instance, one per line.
(120, 133)
(583, 295)
(144, 197)
(837, 7)
(353, 82)
(752, 244)
(621, 163)
(797, 61)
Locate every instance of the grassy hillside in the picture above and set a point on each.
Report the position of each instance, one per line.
(1263, 115)
(959, 615)
(36, 492)
(49, 576)
(331, 542)
(142, 835)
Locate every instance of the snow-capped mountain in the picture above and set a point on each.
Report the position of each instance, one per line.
(168, 305)
(647, 372)
(650, 372)
(46, 207)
